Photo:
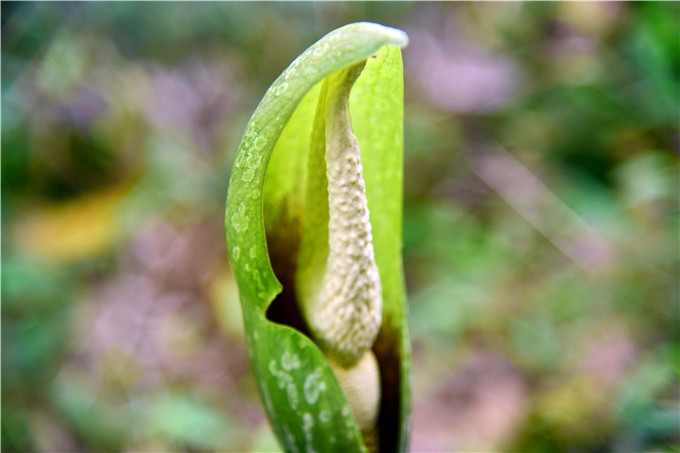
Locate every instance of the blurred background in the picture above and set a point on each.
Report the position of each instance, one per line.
(541, 221)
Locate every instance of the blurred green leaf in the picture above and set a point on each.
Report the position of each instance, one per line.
(16, 433)
(647, 403)
(85, 104)
(104, 426)
(184, 421)
(36, 315)
(653, 44)
(536, 342)
(649, 177)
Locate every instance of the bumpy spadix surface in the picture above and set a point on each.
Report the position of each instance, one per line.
(346, 314)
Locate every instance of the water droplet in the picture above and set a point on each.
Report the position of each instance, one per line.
(253, 160)
(239, 219)
(258, 280)
(307, 420)
(248, 174)
(307, 425)
(312, 387)
(290, 361)
(260, 141)
(323, 416)
(290, 440)
(281, 89)
(253, 252)
(249, 136)
(267, 399)
(319, 51)
(236, 252)
(290, 389)
(285, 381)
(245, 144)
(294, 64)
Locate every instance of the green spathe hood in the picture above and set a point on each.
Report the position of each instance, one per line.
(283, 144)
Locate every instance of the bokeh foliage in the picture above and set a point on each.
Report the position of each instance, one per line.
(540, 231)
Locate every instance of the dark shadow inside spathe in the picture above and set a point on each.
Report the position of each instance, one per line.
(283, 243)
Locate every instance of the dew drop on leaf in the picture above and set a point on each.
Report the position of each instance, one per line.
(239, 219)
(281, 89)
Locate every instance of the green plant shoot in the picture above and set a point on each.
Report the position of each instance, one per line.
(313, 226)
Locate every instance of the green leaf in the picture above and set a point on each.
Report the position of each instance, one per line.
(183, 420)
(284, 141)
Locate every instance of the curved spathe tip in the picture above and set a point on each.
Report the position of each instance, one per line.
(390, 35)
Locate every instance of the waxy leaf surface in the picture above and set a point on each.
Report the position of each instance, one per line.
(283, 145)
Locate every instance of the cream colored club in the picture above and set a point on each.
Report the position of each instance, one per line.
(346, 313)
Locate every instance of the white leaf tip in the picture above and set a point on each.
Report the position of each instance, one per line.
(390, 35)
